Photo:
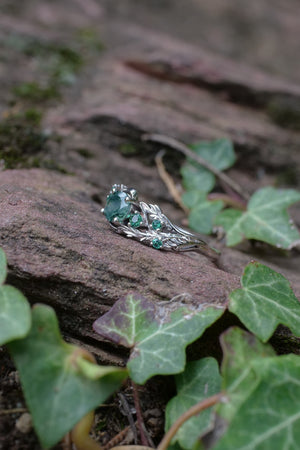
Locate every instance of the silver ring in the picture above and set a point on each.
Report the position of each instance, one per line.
(147, 224)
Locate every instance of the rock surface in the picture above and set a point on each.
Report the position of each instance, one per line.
(61, 251)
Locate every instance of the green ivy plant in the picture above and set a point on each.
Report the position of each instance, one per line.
(263, 218)
(143, 326)
(254, 398)
(61, 382)
(15, 317)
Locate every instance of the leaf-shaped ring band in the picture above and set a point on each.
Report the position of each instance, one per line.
(147, 224)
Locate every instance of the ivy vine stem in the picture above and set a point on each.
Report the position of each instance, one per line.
(179, 146)
(194, 410)
(228, 200)
(139, 416)
(168, 180)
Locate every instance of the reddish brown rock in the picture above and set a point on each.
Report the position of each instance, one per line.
(61, 251)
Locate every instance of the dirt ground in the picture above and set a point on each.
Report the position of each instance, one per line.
(83, 80)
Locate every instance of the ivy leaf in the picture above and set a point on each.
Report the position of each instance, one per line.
(218, 153)
(3, 264)
(227, 219)
(240, 348)
(15, 317)
(193, 198)
(265, 301)
(266, 219)
(202, 216)
(270, 417)
(195, 177)
(266, 416)
(176, 446)
(157, 334)
(59, 385)
(200, 380)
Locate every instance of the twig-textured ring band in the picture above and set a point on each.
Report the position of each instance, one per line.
(147, 224)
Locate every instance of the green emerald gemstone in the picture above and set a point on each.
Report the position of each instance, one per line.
(156, 224)
(117, 207)
(135, 220)
(157, 243)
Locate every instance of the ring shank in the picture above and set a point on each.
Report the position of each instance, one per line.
(199, 247)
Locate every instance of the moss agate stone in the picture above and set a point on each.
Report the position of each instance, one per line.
(117, 207)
